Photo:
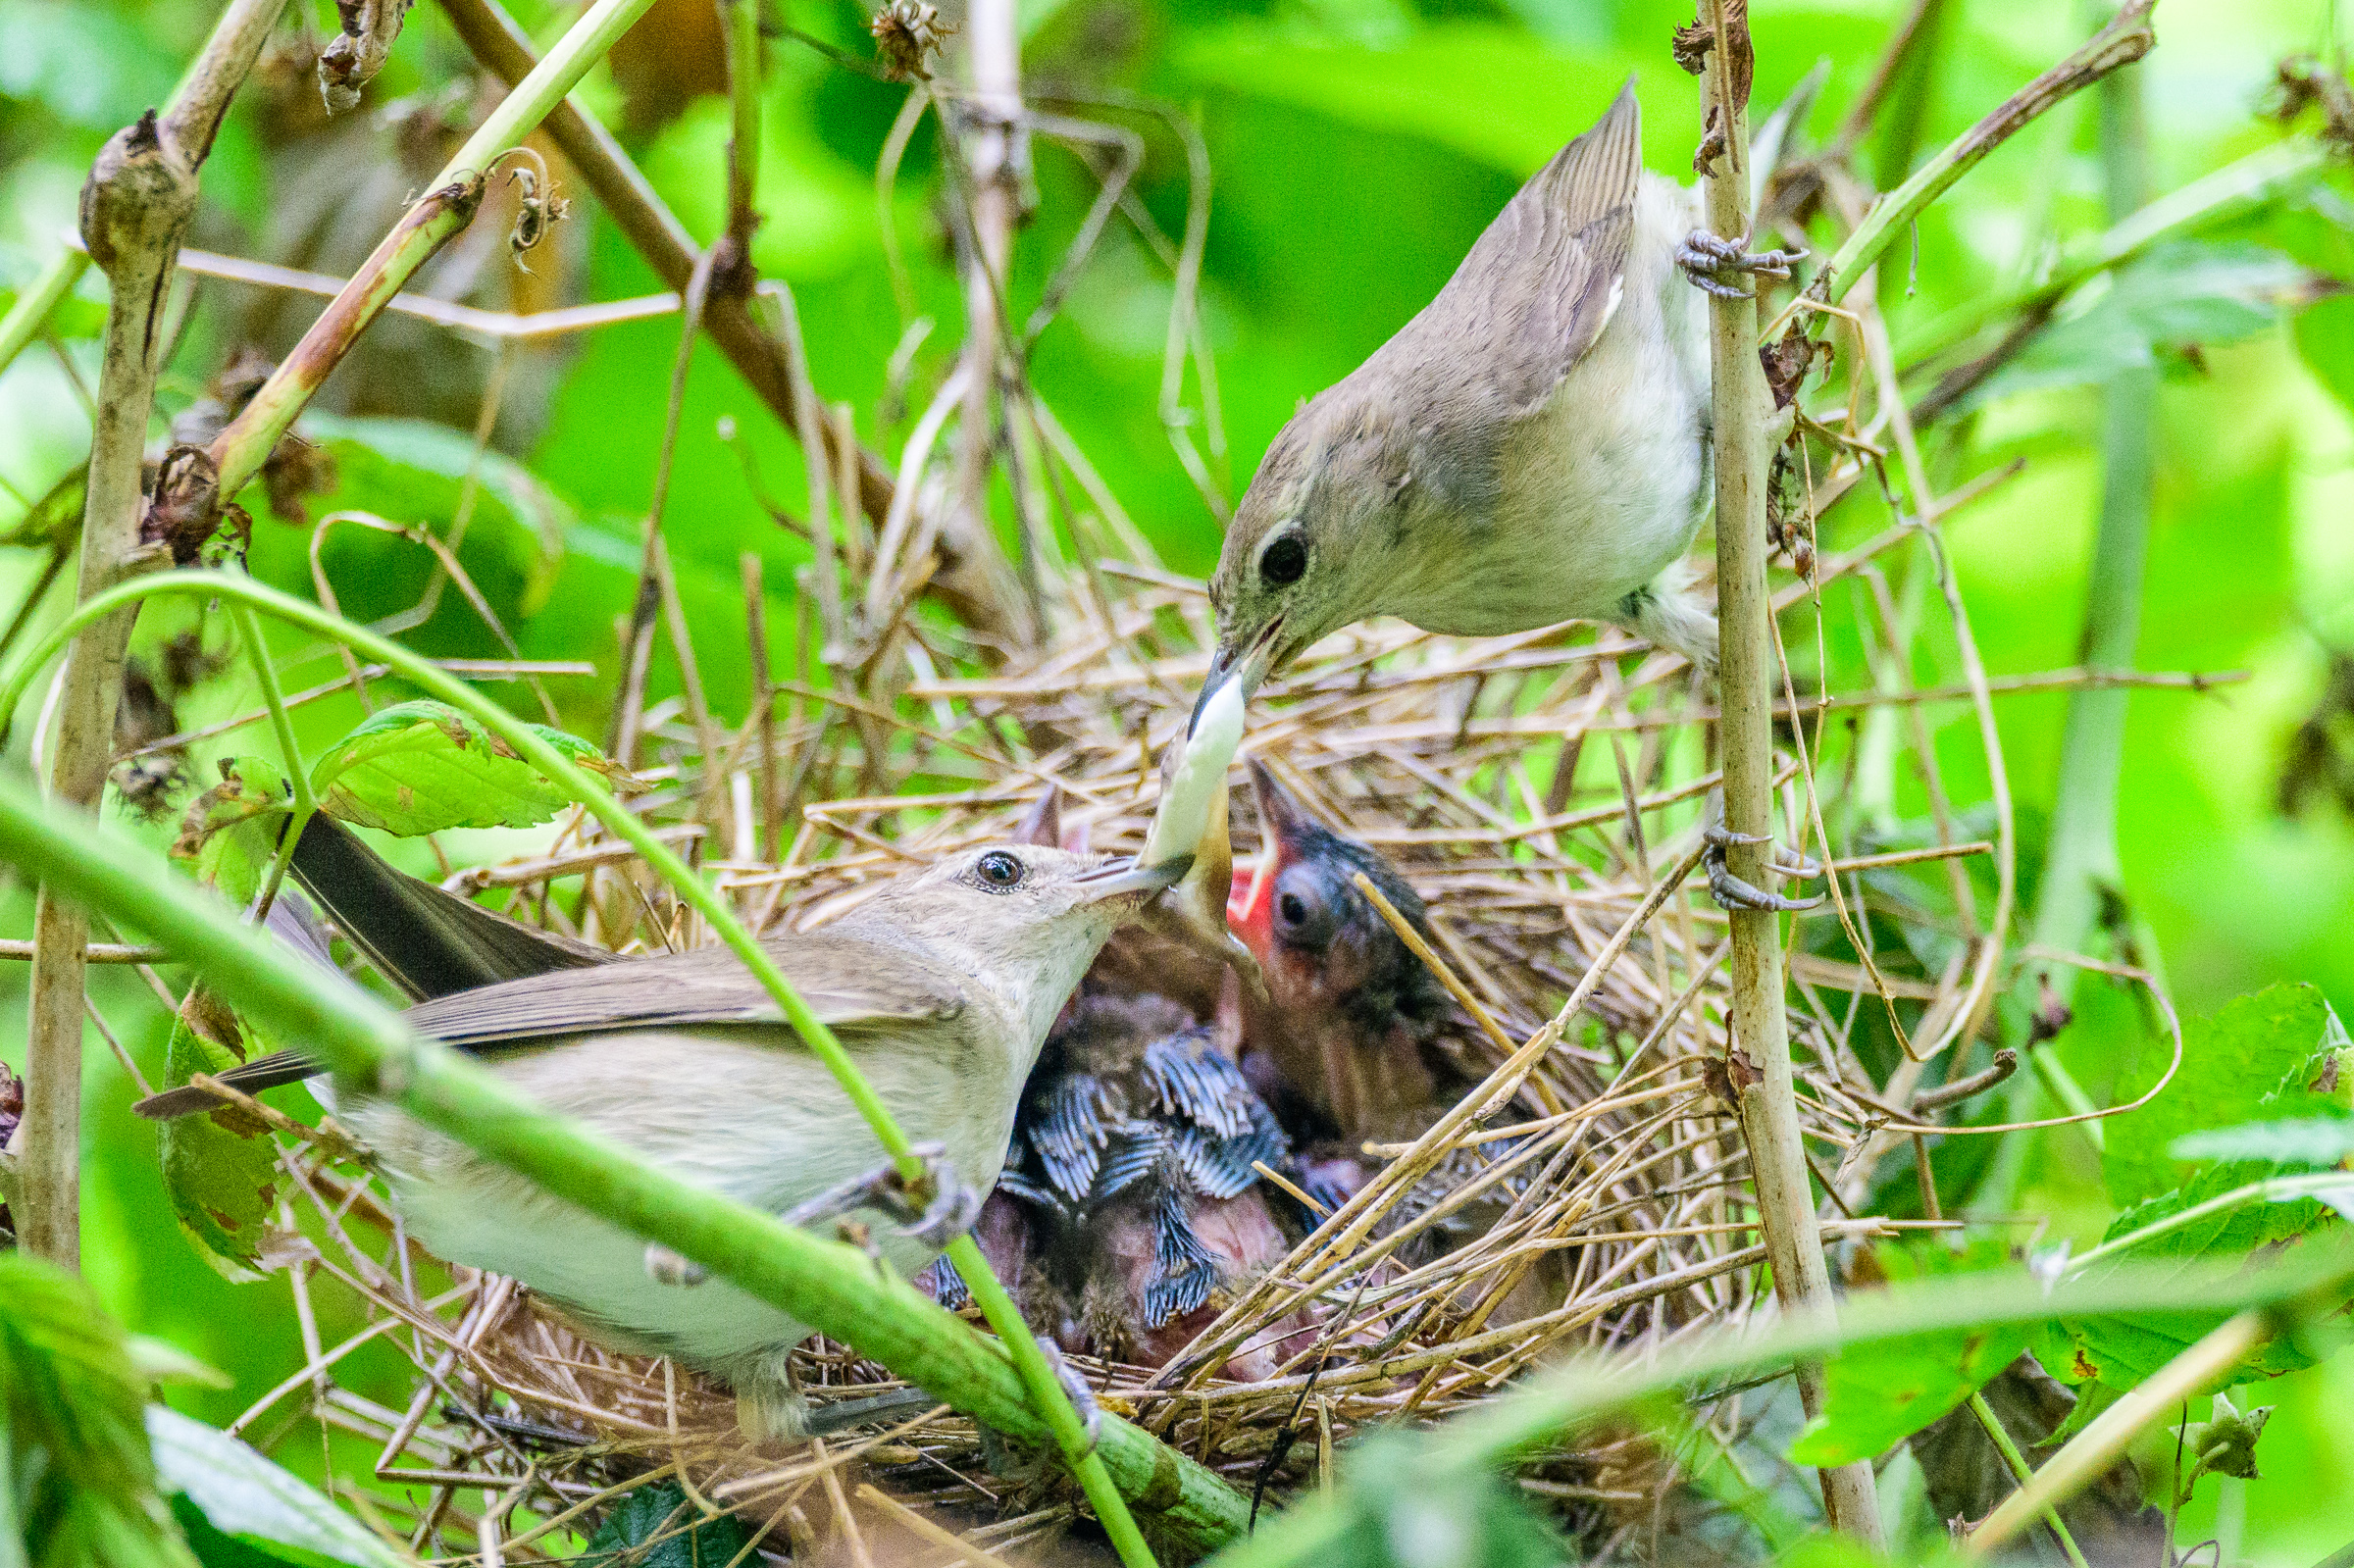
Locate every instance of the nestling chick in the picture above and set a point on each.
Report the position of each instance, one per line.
(942, 986)
(1530, 448)
(1133, 1157)
(1343, 1051)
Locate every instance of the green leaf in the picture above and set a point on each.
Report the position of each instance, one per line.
(2302, 1140)
(67, 1382)
(422, 767)
(2190, 292)
(1876, 1397)
(413, 472)
(2225, 1444)
(245, 1496)
(2260, 1053)
(230, 834)
(656, 1526)
(220, 1166)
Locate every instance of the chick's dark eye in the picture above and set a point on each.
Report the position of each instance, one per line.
(1284, 562)
(1000, 871)
(1303, 911)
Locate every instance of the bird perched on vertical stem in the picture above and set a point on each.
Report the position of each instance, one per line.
(1532, 447)
(941, 988)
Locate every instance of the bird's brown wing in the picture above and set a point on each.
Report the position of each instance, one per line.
(849, 981)
(1536, 289)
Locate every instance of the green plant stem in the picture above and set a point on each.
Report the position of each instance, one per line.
(1769, 1106)
(2309, 1285)
(447, 206)
(2082, 870)
(2126, 39)
(136, 209)
(2095, 1448)
(835, 1289)
(26, 318)
(290, 750)
(2234, 188)
(743, 18)
(2021, 1472)
(1055, 1408)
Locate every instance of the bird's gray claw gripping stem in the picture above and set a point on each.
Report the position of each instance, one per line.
(935, 1207)
(1731, 893)
(1714, 264)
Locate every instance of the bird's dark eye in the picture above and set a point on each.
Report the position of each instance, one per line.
(1304, 916)
(999, 871)
(1284, 562)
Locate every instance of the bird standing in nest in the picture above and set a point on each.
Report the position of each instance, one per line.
(942, 986)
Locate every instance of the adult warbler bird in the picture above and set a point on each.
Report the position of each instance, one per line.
(942, 986)
(1532, 447)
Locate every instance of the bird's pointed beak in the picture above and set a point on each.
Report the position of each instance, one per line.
(1235, 660)
(1125, 876)
(1282, 815)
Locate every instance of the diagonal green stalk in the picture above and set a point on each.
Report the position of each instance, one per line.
(2126, 39)
(1038, 1373)
(257, 652)
(835, 1289)
(2306, 1286)
(2020, 1472)
(25, 317)
(2232, 189)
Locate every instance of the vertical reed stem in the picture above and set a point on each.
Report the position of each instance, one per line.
(1761, 1031)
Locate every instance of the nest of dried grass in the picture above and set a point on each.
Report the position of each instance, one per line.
(1542, 793)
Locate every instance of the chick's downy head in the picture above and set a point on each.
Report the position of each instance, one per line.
(1323, 945)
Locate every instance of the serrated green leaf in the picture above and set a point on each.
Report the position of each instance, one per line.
(2260, 1054)
(2266, 1056)
(220, 1167)
(1877, 1396)
(656, 1526)
(255, 1503)
(424, 767)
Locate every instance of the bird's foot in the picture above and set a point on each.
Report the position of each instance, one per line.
(1731, 893)
(933, 1206)
(1083, 1398)
(665, 1267)
(1714, 263)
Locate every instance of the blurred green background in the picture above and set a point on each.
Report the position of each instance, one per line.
(1357, 147)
